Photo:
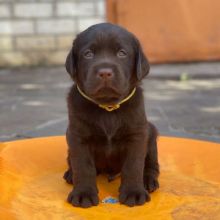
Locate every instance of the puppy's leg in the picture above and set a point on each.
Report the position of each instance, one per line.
(84, 193)
(68, 175)
(151, 169)
(132, 191)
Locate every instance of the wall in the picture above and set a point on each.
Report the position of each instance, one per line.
(172, 30)
(37, 32)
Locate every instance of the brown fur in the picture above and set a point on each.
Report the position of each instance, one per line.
(121, 141)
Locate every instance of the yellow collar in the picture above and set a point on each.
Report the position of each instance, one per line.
(108, 108)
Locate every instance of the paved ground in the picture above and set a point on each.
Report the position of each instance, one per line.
(32, 101)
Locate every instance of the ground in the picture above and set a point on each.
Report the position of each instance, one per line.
(33, 101)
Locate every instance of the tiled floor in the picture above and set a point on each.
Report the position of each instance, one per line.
(32, 101)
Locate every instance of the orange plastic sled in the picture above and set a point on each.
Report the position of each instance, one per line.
(31, 184)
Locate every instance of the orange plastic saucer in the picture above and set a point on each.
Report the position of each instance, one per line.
(31, 184)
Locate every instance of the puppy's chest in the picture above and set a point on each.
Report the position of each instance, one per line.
(110, 126)
(108, 132)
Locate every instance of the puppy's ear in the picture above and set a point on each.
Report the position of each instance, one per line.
(142, 64)
(71, 64)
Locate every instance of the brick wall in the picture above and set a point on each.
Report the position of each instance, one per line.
(40, 32)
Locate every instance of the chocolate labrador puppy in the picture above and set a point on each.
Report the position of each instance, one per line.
(108, 131)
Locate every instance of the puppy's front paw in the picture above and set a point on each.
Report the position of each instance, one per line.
(83, 198)
(133, 196)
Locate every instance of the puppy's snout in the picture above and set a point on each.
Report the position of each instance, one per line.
(105, 73)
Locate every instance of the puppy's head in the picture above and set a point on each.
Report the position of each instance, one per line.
(107, 62)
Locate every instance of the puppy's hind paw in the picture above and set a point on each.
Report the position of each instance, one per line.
(68, 176)
(151, 183)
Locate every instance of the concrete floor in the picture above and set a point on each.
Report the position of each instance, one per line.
(32, 101)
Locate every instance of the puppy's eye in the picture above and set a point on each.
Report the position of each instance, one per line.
(88, 54)
(122, 53)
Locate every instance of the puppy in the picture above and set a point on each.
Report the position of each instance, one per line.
(108, 131)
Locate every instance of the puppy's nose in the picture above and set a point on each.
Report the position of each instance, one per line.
(105, 73)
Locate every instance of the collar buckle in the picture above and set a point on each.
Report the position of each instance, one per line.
(109, 108)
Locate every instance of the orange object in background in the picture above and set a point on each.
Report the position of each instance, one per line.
(31, 184)
(172, 30)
